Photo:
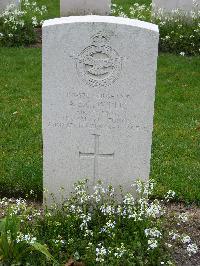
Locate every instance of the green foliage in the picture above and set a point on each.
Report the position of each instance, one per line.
(97, 228)
(17, 25)
(178, 33)
(15, 246)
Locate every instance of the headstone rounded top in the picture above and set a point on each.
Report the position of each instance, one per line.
(101, 19)
(99, 76)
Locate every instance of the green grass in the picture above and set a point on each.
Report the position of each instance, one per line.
(176, 139)
(20, 120)
(176, 145)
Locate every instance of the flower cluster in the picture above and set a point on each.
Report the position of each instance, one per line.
(17, 239)
(186, 240)
(192, 249)
(27, 238)
(100, 213)
(179, 32)
(170, 195)
(152, 234)
(101, 225)
(101, 252)
(17, 23)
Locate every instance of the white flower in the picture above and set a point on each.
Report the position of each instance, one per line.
(182, 53)
(139, 186)
(34, 21)
(108, 227)
(129, 199)
(154, 209)
(120, 251)
(44, 8)
(88, 233)
(186, 239)
(152, 232)
(27, 238)
(170, 195)
(85, 219)
(183, 217)
(174, 235)
(168, 245)
(100, 253)
(192, 248)
(119, 210)
(107, 210)
(152, 243)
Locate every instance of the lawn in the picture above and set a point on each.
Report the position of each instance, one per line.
(176, 147)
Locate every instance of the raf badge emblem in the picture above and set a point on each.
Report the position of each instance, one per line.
(99, 64)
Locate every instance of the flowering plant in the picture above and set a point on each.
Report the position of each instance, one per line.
(103, 228)
(15, 242)
(17, 25)
(179, 32)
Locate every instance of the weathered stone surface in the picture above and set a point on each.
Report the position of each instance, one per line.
(99, 76)
(185, 6)
(5, 3)
(84, 7)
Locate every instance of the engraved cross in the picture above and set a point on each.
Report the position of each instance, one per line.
(95, 155)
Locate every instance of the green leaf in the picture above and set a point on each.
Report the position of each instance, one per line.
(2, 225)
(44, 250)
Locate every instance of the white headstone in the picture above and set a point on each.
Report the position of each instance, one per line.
(99, 77)
(184, 6)
(84, 7)
(5, 3)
